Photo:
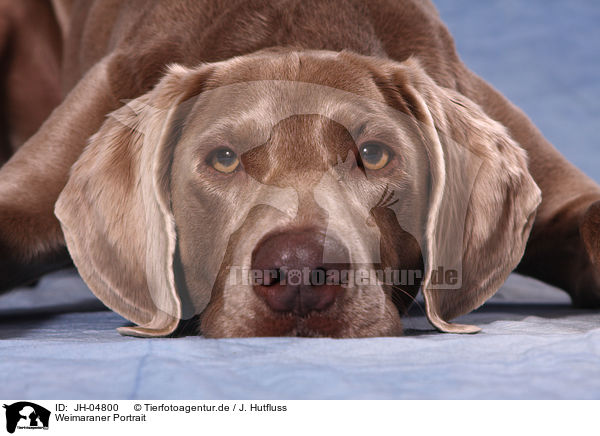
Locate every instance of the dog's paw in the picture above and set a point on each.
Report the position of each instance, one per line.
(588, 286)
(590, 232)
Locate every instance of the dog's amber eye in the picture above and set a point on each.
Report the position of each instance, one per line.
(224, 160)
(374, 156)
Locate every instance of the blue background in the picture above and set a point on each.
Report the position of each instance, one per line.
(545, 57)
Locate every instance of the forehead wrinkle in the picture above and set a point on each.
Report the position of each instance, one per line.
(308, 134)
(278, 99)
(270, 102)
(321, 137)
(296, 148)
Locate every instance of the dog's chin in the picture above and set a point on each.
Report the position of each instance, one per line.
(339, 321)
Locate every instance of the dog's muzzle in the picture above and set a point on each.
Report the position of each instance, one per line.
(292, 274)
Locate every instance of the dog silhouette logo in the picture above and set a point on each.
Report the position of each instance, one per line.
(26, 415)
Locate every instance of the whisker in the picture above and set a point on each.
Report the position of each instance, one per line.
(413, 299)
(389, 196)
(379, 202)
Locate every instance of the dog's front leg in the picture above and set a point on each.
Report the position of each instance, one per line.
(564, 251)
(31, 240)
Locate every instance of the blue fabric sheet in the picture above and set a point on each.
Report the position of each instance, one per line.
(57, 341)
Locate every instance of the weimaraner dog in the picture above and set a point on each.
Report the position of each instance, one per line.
(266, 168)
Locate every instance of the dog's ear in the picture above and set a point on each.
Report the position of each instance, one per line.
(482, 198)
(115, 208)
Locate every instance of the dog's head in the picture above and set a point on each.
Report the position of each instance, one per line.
(297, 193)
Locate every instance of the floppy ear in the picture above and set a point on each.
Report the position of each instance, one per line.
(115, 208)
(482, 199)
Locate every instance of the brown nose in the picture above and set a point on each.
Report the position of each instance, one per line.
(291, 275)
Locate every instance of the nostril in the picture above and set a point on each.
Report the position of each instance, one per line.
(318, 276)
(273, 276)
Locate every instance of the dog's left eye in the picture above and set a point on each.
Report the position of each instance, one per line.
(224, 160)
(374, 156)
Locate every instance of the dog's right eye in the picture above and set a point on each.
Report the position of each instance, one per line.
(224, 160)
